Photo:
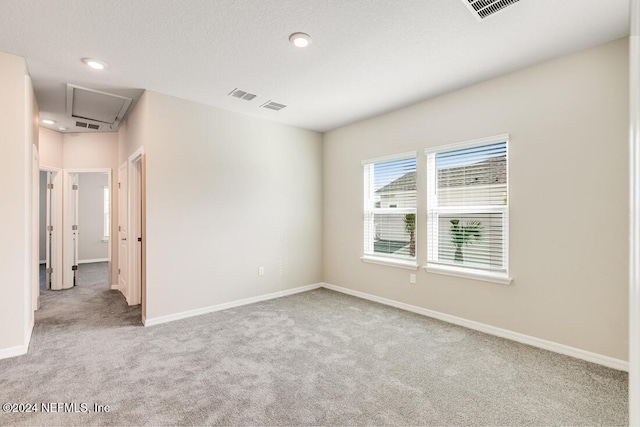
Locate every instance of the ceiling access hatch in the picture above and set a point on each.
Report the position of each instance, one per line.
(101, 109)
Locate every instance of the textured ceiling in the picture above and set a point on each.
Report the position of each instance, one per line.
(367, 56)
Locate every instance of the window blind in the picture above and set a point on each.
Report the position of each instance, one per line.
(468, 206)
(390, 207)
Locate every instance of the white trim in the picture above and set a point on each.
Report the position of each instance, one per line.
(607, 361)
(634, 214)
(43, 261)
(469, 273)
(115, 287)
(218, 307)
(18, 350)
(391, 262)
(45, 168)
(89, 261)
(391, 158)
(468, 144)
(434, 211)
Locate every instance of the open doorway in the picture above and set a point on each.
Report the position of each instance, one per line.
(87, 225)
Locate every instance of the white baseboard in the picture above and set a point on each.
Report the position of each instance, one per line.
(197, 312)
(115, 287)
(18, 350)
(607, 361)
(89, 261)
(43, 261)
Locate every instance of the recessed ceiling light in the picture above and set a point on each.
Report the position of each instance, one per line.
(48, 122)
(62, 128)
(94, 63)
(300, 39)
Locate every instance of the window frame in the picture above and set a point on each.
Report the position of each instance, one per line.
(368, 215)
(501, 277)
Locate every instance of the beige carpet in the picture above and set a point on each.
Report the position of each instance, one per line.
(317, 358)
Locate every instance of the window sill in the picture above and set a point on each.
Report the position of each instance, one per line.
(468, 273)
(407, 264)
(105, 240)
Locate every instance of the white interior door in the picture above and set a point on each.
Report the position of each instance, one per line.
(75, 185)
(135, 232)
(123, 245)
(48, 231)
(53, 230)
(70, 230)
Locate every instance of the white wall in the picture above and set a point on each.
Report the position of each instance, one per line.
(50, 148)
(16, 258)
(91, 216)
(226, 194)
(90, 150)
(568, 121)
(133, 132)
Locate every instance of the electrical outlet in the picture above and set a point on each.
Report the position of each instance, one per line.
(260, 271)
(412, 278)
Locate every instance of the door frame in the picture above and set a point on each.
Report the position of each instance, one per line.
(634, 214)
(35, 233)
(67, 275)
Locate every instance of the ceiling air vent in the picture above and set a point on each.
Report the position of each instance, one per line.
(242, 94)
(96, 110)
(273, 106)
(87, 125)
(482, 9)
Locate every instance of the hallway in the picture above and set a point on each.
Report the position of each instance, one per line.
(89, 304)
(73, 347)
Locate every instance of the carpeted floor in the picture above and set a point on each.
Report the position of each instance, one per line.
(316, 358)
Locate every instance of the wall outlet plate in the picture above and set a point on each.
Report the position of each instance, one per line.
(412, 278)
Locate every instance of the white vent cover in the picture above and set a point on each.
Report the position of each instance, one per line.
(96, 109)
(236, 93)
(482, 9)
(87, 125)
(273, 106)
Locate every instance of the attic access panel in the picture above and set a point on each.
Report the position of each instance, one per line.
(94, 106)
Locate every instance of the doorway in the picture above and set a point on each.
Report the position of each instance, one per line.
(87, 225)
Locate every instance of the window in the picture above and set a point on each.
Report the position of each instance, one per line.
(106, 222)
(468, 209)
(390, 210)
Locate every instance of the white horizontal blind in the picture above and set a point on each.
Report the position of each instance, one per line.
(468, 207)
(390, 208)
